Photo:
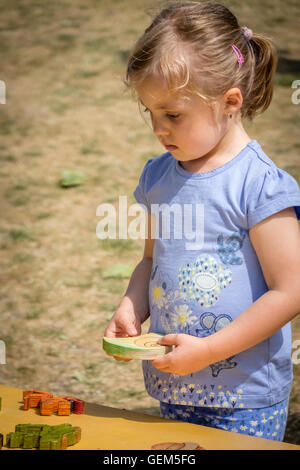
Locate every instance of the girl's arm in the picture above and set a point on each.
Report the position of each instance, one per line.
(276, 241)
(133, 309)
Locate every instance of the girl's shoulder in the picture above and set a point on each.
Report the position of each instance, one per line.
(159, 162)
(268, 189)
(262, 169)
(155, 168)
(259, 160)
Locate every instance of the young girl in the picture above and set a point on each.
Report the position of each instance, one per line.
(222, 282)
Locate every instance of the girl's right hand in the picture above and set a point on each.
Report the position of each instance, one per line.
(124, 323)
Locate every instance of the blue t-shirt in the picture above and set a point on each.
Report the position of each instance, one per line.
(206, 273)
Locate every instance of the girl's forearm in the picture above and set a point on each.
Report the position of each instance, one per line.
(136, 295)
(257, 323)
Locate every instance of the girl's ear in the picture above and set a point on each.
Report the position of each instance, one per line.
(233, 101)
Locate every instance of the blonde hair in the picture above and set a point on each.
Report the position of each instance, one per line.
(190, 46)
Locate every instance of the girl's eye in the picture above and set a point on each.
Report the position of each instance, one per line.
(168, 115)
(172, 116)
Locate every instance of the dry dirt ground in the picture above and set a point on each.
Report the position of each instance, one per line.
(67, 109)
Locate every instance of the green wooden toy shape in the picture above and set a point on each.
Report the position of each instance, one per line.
(43, 436)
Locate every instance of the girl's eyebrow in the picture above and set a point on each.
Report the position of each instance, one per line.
(165, 105)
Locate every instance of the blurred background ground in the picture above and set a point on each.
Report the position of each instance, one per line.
(67, 109)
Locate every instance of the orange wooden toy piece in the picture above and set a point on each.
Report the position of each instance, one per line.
(55, 405)
(48, 404)
(32, 398)
(77, 406)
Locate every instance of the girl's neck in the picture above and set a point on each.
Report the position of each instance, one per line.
(232, 142)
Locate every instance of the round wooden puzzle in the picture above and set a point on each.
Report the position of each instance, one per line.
(136, 347)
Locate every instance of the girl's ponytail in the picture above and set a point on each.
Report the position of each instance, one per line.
(264, 63)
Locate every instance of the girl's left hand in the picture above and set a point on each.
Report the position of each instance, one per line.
(189, 355)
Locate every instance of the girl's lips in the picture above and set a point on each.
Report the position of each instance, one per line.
(171, 147)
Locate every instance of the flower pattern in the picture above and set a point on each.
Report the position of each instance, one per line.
(182, 318)
(227, 249)
(158, 296)
(174, 312)
(243, 421)
(203, 280)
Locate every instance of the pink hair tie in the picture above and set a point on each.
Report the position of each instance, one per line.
(240, 57)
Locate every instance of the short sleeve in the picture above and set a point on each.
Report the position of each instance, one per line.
(140, 190)
(270, 193)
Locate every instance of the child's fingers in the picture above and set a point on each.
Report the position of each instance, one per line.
(163, 363)
(121, 331)
(169, 340)
(118, 358)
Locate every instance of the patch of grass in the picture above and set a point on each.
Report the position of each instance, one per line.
(60, 108)
(285, 80)
(92, 369)
(44, 215)
(277, 20)
(20, 235)
(8, 340)
(81, 283)
(7, 126)
(87, 73)
(53, 353)
(122, 394)
(92, 325)
(23, 258)
(26, 371)
(108, 308)
(109, 97)
(78, 304)
(37, 62)
(90, 147)
(293, 120)
(19, 201)
(8, 157)
(23, 129)
(66, 90)
(116, 287)
(35, 295)
(34, 314)
(19, 187)
(52, 333)
(118, 246)
(70, 23)
(64, 42)
(100, 43)
(34, 153)
(118, 271)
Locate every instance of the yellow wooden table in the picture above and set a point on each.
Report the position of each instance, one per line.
(105, 428)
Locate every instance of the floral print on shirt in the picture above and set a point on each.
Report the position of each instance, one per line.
(175, 308)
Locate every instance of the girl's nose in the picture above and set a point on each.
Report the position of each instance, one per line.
(159, 128)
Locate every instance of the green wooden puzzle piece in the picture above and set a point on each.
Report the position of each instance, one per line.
(43, 436)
